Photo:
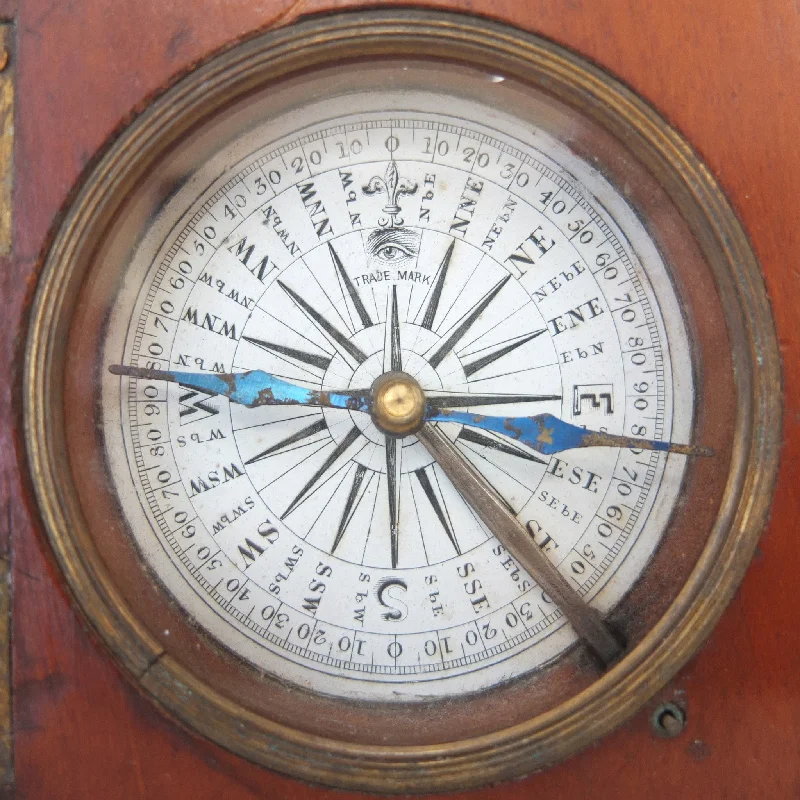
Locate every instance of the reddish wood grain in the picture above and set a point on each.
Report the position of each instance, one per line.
(725, 72)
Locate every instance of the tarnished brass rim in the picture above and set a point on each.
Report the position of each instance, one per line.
(743, 513)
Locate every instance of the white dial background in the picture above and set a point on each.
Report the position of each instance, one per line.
(516, 270)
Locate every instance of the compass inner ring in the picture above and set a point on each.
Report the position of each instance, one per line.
(398, 406)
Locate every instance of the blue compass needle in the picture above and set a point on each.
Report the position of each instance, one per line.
(252, 389)
(549, 435)
(543, 433)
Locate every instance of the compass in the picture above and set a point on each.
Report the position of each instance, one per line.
(401, 401)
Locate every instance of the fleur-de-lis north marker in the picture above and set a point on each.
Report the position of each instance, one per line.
(394, 186)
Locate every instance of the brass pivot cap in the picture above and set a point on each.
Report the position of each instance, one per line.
(398, 404)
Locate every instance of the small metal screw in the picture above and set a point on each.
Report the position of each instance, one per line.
(668, 721)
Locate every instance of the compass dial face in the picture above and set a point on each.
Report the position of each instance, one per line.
(374, 233)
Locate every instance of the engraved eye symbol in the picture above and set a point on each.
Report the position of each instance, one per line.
(393, 252)
(393, 246)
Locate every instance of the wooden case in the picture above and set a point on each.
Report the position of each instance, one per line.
(79, 728)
